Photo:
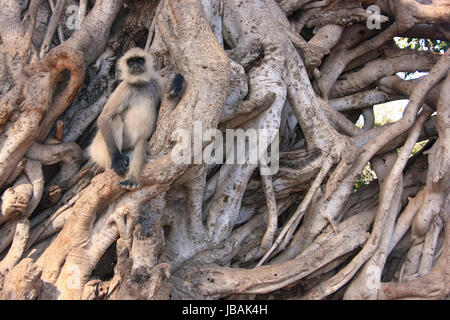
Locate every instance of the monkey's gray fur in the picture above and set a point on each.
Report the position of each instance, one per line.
(129, 117)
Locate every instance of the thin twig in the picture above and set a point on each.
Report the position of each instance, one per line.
(151, 30)
(296, 217)
(60, 30)
(51, 27)
(272, 210)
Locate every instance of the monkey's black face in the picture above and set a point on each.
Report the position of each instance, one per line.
(136, 65)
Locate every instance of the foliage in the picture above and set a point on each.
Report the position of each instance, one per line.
(422, 44)
(367, 176)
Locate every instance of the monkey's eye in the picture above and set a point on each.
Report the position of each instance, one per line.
(136, 61)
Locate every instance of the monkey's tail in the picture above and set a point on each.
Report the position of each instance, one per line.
(177, 86)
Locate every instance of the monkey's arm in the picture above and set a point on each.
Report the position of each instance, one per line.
(115, 105)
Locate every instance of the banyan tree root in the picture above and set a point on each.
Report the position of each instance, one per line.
(70, 157)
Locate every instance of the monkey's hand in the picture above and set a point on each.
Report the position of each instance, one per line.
(120, 163)
(176, 87)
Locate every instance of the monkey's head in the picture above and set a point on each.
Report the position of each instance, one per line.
(136, 66)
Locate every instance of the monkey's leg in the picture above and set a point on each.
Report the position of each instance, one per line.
(136, 165)
(98, 151)
(117, 125)
(112, 132)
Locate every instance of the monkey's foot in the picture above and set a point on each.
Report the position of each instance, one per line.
(120, 163)
(129, 184)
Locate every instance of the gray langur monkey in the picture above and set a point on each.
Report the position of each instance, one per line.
(128, 118)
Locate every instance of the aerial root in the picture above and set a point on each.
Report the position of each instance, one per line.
(296, 217)
(272, 210)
